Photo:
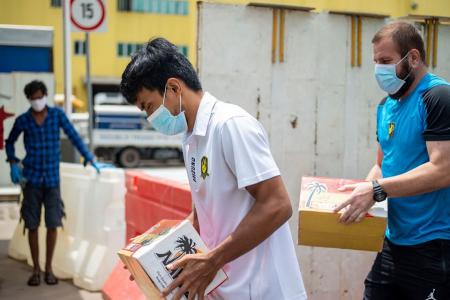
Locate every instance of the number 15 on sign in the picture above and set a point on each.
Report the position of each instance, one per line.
(88, 15)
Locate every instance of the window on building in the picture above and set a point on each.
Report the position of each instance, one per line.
(169, 7)
(79, 48)
(128, 49)
(121, 49)
(55, 3)
(124, 5)
(183, 50)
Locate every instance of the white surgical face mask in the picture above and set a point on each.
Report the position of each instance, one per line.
(166, 123)
(39, 104)
(387, 79)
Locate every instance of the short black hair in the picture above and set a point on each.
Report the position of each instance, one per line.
(153, 65)
(33, 87)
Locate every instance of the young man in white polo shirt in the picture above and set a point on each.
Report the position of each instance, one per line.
(241, 206)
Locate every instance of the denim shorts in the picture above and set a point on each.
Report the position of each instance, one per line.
(34, 198)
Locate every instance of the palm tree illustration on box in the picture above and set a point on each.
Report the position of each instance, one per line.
(314, 188)
(186, 245)
(183, 246)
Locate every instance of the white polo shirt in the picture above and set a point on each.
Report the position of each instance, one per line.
(227, 151)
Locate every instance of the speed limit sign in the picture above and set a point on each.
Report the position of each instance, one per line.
(88, 15)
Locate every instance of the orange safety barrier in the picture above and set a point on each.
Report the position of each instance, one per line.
(119, 286)
(150, 199)
(147, 201)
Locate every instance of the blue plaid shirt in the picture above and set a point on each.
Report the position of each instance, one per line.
(42, 146)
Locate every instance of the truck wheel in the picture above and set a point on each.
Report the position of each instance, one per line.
(129, 158)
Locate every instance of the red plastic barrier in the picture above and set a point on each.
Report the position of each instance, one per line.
(147, 201)
(118, 286)
(150, 199)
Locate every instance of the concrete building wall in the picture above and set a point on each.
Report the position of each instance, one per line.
(319, 111)
(443, 53)
(139, 27)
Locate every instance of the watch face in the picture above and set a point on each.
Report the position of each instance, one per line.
(380, 197)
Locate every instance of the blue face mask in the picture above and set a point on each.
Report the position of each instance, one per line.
(166, 123)
(387, 79)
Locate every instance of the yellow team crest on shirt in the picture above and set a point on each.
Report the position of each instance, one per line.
(204, 167)
(391, 129)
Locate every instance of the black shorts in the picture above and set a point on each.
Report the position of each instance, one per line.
(410, 272)
(33, 198)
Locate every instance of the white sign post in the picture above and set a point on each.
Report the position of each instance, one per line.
(88, 16)
(67, 58)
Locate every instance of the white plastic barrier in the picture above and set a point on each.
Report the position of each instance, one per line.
(103, 232)
(10, 216)
(18, 246)
(94, 227)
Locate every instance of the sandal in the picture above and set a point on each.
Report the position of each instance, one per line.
(50, 279)
(34, 280)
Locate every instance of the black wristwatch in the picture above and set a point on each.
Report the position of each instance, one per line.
(379, 194)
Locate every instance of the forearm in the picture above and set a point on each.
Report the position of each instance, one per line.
(425, 178)
(10, 151)
(9, 145)
(375, 173)
(82, 148)
(11, 155)
(262, 220)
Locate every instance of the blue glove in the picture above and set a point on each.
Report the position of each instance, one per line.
(105, 165)
(16, 173)
(98, 165)
(95, 166)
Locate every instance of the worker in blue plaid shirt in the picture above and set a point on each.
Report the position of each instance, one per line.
(41, 126)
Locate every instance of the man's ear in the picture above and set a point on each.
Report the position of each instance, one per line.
(174, 85)
(414, 58)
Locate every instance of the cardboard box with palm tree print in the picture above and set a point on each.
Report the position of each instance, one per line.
(319, 225)
(148, 254)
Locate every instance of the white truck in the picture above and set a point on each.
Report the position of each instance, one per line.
(122, 135)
